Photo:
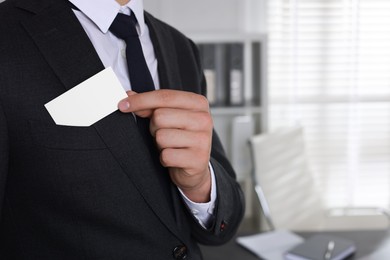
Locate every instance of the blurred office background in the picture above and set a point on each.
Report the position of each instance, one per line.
(327, 71)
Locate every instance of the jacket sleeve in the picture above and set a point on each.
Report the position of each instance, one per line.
(230, 204)
(3, 156)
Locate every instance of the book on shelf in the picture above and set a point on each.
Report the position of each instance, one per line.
(223, 65)
(236, 74)
(213, 59)
(207, 53)
(221, 74)
(322, 247)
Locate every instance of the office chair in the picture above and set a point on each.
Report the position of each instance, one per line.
(288, 195)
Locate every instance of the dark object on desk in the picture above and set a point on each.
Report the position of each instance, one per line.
(322, 247)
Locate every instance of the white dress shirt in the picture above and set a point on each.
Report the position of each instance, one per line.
(96, 18)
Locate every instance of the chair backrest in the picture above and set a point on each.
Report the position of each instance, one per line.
(285, 187)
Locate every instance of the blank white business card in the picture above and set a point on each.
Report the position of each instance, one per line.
(88, 102)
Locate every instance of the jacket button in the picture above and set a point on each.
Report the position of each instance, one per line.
(180, 252)
(223, 226)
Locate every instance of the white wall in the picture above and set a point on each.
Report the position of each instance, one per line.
(210, 15)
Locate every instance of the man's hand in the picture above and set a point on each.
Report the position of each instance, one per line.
(182, 127)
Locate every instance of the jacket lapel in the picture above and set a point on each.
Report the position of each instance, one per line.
(170, 78)
(164, 49)
(62, 41)
(69, 52)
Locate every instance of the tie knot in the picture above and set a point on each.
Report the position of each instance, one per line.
(123, 26)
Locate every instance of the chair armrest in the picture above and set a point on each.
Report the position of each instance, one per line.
(358, 211)
(357, 218)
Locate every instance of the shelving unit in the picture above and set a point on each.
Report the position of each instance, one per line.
(254, 91)
(235, 124)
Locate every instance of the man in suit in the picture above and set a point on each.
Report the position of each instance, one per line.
(104, 191)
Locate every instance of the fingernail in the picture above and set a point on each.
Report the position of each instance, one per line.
(123, 105)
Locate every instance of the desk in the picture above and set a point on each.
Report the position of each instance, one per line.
(371, 245)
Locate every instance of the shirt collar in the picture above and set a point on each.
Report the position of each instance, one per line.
(103, 12)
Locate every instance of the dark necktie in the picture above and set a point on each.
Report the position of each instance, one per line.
(124, 27)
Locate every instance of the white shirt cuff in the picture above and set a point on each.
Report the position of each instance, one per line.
(203, 212)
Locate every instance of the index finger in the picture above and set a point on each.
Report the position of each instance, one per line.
(164, 98)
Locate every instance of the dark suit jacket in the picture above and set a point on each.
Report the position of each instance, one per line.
(91, 192)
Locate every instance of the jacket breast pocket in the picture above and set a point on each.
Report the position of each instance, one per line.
(65, 137)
